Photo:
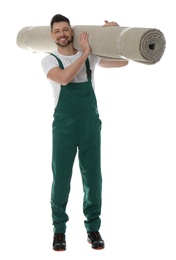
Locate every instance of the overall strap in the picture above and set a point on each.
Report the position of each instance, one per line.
(88, 70)
(59, 61)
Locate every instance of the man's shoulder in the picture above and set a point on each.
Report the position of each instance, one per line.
(48, 57)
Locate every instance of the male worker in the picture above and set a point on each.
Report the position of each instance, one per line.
(76, 127)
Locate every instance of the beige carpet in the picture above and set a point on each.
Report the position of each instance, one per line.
(146, 45)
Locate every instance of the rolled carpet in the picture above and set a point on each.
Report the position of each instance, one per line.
(146, 45)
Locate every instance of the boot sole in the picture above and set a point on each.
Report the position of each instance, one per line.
(96, 248)
(59, 248)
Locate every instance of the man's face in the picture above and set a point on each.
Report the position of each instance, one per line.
(62, 34)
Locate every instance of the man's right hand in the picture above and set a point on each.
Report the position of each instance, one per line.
(83, 40)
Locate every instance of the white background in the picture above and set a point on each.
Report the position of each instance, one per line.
(137, 105)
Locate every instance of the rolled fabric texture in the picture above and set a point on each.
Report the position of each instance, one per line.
(36, 39)
(146, 45)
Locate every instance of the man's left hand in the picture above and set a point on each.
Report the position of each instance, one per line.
(110, 23)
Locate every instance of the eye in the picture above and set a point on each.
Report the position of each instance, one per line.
(65, 29)
(56, 31)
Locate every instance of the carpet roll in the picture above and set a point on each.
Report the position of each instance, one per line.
(146, 45)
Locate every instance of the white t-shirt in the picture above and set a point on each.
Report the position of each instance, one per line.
(49, 62)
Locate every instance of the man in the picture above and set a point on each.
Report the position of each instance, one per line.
(76, 126)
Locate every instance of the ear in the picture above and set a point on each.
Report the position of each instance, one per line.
(72, 32)
(52, 35)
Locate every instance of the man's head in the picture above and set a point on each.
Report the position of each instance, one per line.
(59, 18)
(61, 30)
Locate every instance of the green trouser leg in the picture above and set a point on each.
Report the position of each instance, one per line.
(89, 160)
(63, 155)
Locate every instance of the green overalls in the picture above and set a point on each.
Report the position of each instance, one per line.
(76, 125)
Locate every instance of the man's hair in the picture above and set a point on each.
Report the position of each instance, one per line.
(59, 18)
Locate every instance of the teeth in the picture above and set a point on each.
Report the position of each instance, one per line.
(62, 38)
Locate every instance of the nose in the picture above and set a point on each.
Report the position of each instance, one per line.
(62, 34)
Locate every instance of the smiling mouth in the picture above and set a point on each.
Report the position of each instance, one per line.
(63, 39)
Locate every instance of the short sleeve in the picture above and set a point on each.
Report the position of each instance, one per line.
(48, 62)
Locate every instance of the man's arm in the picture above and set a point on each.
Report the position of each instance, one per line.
(113, 64)
(64, 76)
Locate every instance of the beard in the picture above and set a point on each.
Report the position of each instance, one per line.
(64, 44)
